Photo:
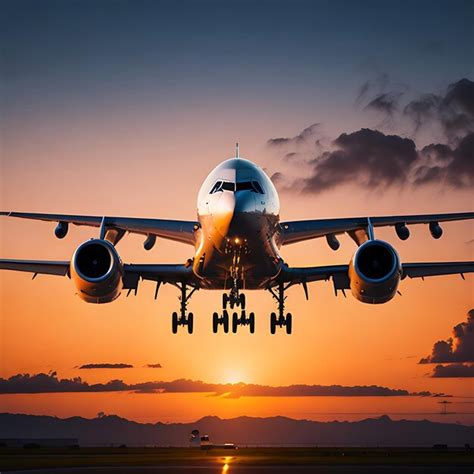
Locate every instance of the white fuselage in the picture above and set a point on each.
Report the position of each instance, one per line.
(238, 210)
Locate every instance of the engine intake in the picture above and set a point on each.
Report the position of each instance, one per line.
(97, 271)
(375, 272)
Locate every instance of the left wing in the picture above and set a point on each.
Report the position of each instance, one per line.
(165, 273)
(340, 277)
(180, 231)
(298, 231)
(36, 266)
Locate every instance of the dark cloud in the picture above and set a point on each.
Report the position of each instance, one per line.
(454, 167)
(453, 370)
(302, 137)
(458, 348)
(423, 109)
(154, 366)
(367, 157)
(50, 383)
(106, 365)
(454, 110)
(385, 104)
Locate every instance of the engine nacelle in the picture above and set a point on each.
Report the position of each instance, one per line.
(97, 271)
(375, 272)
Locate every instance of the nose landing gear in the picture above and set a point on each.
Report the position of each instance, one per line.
(282, 319)
(233, 299)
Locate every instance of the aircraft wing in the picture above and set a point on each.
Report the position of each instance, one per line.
(164, 273)
(36, 266)
(180, 231)
(340, 277)
(298, 231)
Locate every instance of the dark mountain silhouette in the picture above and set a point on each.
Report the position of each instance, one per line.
(243, 430)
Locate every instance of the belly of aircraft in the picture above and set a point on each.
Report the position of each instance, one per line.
(246, 246)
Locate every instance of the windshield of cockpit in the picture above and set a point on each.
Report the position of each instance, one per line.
(253, 186)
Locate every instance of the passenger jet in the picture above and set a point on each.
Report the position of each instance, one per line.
(237, 239)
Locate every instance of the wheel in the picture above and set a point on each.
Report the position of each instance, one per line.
(190, 323)
(174, 322)
(235, 322)
(215, 322)
(288, 323)
(225, 300)
(242, 301)
(225, 321)
(273, 322)
(252, 322)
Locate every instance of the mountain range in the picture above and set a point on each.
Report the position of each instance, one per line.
(280, 431)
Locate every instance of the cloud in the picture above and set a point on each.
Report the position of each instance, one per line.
(51, 383)
(458, 348)
(453, 370)
(371, 158)
(153, 366)
(385, 104)
(302, 137)
(454, 167)
(107, 366)
(454, 110)
(367, 157)
(423, 109)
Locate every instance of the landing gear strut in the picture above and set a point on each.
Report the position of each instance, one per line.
(184, 318)
(282, 319)
(233, 299)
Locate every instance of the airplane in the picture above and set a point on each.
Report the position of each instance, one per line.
(237, 239)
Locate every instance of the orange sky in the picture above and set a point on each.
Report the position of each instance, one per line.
(96, 167)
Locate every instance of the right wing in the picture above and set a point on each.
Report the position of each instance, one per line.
(180, 231)
(340, 273)
(298, 231)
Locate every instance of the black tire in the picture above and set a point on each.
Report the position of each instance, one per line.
(252, 322)
(289, 323)
(215, 322)
(190, 323)
(174, 322)
(225, 321)
(242, 301)
(235, 322)
(225, 300)
(273, 318)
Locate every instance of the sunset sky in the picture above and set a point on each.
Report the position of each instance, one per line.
(122, 108)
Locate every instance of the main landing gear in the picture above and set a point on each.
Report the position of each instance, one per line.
(233, 299)
(282, 319)
(184, 318)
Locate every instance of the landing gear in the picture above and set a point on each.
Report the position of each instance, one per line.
(184, 318)
(282, 319)
(218, 320)
(234, 299)
(243, 320)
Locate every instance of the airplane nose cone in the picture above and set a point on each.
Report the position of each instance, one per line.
(223, 212)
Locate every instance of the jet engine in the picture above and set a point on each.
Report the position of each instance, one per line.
(97, 271)
(375, 272)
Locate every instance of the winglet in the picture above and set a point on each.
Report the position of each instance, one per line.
(237, 153)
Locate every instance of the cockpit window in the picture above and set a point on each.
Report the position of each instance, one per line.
(257, 187)
(253, 186)
(227, 186)
(216, 187)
